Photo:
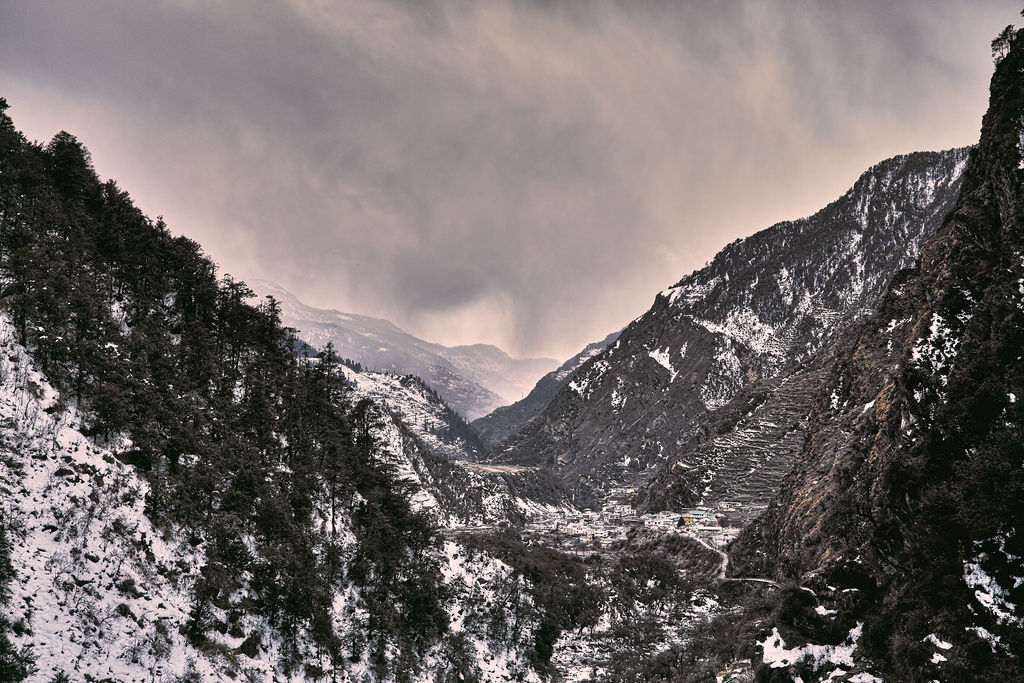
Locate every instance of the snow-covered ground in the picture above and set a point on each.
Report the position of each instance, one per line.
(101, 593)
(413, 437)
(995, 598)
(828, 662)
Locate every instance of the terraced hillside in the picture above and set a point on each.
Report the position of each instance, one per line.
(751, 445)
(901, 519)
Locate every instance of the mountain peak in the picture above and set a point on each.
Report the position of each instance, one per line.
(762, 307)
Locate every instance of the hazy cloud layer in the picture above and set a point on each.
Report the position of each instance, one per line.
(522, 173)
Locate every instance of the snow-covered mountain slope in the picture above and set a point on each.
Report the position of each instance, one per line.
(101, 594)
(904, 508)
(472, 379)
(763, 306)
(420, 409)
(431, 447)
(178, 484)
(503, 422)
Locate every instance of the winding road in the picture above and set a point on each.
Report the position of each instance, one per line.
(724, 565)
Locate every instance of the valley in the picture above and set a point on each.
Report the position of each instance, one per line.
(603, 530)
(803, 462)
(689, 548)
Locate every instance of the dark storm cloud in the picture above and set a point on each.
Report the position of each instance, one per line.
(528, 174)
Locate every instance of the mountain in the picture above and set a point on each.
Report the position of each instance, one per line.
(189, 495)
(97, 589)
(186, 498)
(472, 379)
(745, 449)
(760, 311)
(503, 422)
(901, 521)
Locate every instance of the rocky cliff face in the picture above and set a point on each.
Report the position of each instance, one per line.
(902, 516)
(761, 308)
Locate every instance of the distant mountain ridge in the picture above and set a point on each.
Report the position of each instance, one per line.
(505, 421)
(763, 307)
(473, 379)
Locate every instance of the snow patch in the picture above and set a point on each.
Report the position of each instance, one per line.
(935, 353)
(864, 677)
(583, 384)
(984, 634)
(937, 642)
(619, 397)
(992, 596)
(778, 656)
(1020, 144)
(663, 358)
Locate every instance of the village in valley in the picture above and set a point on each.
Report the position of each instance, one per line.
(593, 530)
(598, 529)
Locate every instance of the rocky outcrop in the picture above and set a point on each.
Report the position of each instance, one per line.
(903, 511)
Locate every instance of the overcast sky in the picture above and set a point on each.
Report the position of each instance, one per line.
(527, 174)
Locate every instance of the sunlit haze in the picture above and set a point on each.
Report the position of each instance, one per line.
(527, 174)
